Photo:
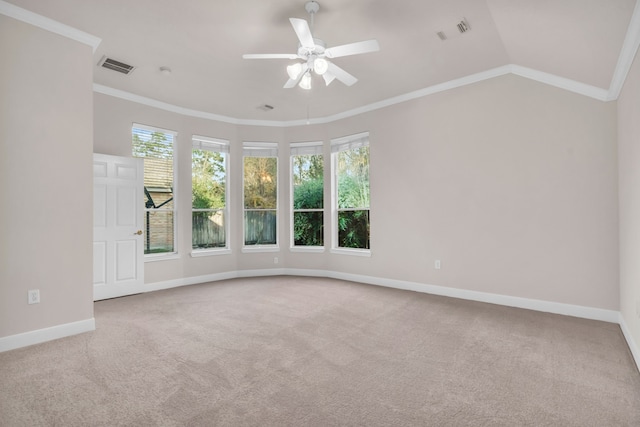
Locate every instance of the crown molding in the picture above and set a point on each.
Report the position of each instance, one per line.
(431, 90)
(561, 82)
(49, 24)
(627, 55)
(128, 96)
(539, 76)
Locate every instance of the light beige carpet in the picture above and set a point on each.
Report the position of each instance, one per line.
(290, 351)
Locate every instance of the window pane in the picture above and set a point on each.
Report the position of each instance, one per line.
(260, 227)
(208, 175)
(308, 229)
(156, 148)
(208, 230)
(308, 182)
(158, 185)
(158, 234)
(260, 182)
(353, 229)
(152, 144)
(353, 178)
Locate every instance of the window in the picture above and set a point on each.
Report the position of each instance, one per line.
(307, 194)
(260, 193)
(209, 194)
(156, 147)
(350, 167)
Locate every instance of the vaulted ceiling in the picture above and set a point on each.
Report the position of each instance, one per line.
(575, 43)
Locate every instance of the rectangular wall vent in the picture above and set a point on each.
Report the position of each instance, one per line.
(114, 65)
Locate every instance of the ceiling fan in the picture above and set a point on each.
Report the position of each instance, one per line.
(315, 55)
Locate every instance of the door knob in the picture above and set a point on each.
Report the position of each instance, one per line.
(139, 232)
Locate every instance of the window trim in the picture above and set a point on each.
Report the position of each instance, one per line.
(303, 149)
(175, 253)
(268, 150)
(199, 142)
(342, 144)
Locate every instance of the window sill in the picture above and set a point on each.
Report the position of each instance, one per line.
(354, 252)
(308, 249)
(256, 249)
(209, 252)
(161, 257)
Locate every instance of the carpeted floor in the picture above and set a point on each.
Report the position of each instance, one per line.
(292, 351)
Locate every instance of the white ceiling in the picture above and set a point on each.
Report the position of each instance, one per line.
(202, 41)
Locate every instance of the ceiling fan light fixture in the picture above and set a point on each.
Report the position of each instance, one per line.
(294, 70)
(305, 82)
(314, 53)
(320, 66)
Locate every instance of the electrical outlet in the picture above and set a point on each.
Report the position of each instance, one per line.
(275, 259)
(33, 296)
(437, 264)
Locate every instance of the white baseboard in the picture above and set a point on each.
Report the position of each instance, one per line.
(592, 313)
(195, 280)
(633, 346)
(47, 334)
(264, 272)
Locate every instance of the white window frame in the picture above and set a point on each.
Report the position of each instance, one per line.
(261, 149)
(337, 145)
(175, 253)
(301, 149)
(206, 143)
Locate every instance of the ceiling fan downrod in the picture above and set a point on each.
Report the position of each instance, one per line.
(312, 7)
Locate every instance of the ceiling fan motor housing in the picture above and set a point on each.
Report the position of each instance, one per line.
(312, 7)
(318, 49)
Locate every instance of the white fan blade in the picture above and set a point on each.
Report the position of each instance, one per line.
(291, 82)
(352, 49)
(328, 78)
(270, 56)
(301, 27)
(341, 74)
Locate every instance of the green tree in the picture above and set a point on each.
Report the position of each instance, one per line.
(308, 193)
(260, 182)
(260, 199)
(152, 144)
(353, 198)
(308, 226)
(208, 182)
(208, 179)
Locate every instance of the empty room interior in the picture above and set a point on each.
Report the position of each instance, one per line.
(293, 212)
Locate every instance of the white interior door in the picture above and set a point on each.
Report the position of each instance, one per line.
(118, 251)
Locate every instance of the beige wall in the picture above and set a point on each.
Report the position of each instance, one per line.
(512, 184)
(46, 179)
(629, 164)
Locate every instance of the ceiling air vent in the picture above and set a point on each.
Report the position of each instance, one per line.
(114, 65)
(463, 26)
(265, 107)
